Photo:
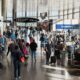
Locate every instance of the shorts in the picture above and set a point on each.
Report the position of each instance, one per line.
(43, 45)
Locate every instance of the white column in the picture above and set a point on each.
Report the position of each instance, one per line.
(4, 12)
(14, 12)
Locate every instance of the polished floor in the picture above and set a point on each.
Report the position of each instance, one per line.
(39, 71)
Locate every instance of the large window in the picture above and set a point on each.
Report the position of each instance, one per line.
(33, 8)
(9, 8)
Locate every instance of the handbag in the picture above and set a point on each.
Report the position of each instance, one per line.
(22, 59)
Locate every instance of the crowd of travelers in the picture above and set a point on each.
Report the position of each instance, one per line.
(21, 44)
(20, 47)
(57, 50)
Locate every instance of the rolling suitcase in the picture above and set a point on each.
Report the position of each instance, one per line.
(1, 65)
(53, 59)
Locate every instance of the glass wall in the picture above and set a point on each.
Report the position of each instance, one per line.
(9, 13)
(56, 9)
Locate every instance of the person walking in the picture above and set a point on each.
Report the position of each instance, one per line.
(16, 62)
(33, 47)
(15, 58)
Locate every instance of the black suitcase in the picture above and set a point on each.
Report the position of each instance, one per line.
(1, 65)
(53, 59)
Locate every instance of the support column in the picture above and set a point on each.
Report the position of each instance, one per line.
(4, 9)
(4, 12)
(79, 20)
(14, 13)
(59, 11)
(63, 13)
(25, 10)
(73, 10)
(37, 11)
(67, 9)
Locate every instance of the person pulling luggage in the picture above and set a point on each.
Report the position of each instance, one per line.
(48, 52)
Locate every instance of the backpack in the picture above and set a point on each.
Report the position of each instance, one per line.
(53, 59)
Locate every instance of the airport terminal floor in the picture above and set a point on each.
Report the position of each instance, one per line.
(39, 70)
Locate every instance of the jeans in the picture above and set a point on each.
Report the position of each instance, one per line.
(17, 67)
(33, 55)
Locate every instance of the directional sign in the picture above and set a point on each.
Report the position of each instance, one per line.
(26, 20)
(67, 26)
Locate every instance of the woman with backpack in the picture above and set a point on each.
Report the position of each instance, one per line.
(17, 57)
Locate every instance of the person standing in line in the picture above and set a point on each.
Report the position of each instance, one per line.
(33, 47)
